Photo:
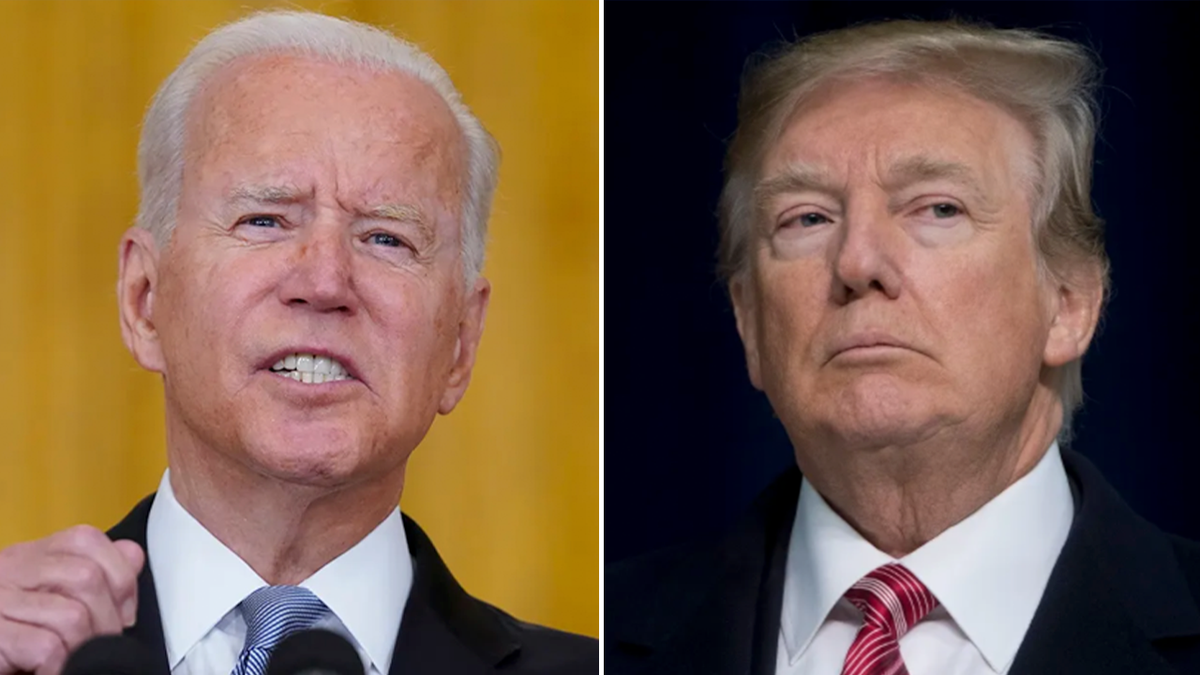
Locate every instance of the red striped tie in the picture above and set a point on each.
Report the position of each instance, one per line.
(892, 600)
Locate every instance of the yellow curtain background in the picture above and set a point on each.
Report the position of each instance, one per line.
(507, 485)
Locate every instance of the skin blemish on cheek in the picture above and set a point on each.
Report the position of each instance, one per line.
(439, 324)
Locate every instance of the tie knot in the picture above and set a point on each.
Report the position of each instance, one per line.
(274, 612)
(892, 599)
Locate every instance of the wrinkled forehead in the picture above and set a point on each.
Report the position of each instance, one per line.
(293, 119)
(905, 120)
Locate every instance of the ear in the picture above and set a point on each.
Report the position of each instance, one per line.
(1076, 312)
(137, 282)
(745, 309)
(470, 330)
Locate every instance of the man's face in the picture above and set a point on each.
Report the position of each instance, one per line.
(894, 289)
(319, 216)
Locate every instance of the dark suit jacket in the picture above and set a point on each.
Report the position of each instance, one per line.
(1123, 598)
(444, 630)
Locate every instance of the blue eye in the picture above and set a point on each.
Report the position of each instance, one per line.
(945, 210)
(810, 219)
(385, 239)
(261, 221)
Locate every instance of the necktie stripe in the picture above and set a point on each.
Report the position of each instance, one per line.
(892, 600)
(874, 643)
(870, 662)
(924, 601)
(886, 590)
(909, 584)
(870, 651)
(870, 644)
(272, 613)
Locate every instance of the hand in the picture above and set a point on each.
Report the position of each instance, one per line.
(58, 592)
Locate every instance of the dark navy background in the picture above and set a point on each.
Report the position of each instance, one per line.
(688, 441)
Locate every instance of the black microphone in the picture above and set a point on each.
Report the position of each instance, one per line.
(110, 655)
(315, 652)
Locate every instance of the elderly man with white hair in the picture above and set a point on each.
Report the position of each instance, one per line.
(304, 275)
(916, 273)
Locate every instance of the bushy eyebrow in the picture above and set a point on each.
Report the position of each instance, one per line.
(276, 195)
(404, 213)
(918, 169)
(795, 177)
(801, 177)
(267, 194)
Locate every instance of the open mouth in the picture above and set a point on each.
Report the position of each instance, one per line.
(311, 369)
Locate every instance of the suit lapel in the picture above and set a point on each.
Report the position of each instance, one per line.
(444, 630)
(148, 629)
(1081, 627)
(1115, 590)
(770, 594)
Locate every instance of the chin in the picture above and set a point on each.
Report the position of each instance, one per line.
(882, 413)
(316, 459)
(878, 431)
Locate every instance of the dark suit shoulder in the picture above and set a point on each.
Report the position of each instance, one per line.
(637, 578)
(700, 560)
(549, 651)
(446, 630)
(1187, 552)
(703, 590)
(649, 594)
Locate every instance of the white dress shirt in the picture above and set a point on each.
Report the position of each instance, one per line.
(200, 583)
(988, 572)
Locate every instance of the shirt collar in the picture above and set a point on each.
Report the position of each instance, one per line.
(198, 580)
(988, 571)
(367, 588)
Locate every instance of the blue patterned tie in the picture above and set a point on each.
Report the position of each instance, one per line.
(273, 613)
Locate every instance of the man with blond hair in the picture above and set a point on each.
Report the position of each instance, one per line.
(916, 272)
(304, 275)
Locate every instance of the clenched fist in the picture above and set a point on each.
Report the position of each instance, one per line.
(57, 592)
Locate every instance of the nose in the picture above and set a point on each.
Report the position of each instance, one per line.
(866, 257)
(320, 274)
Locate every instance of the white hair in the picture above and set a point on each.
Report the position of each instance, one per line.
(340, 41)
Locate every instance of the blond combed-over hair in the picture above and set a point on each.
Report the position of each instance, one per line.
(1047, 83)
(318, 36)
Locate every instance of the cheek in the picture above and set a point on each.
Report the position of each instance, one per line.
(790, 304)
(213, 309)
(994, 309)
(416, 334)
(204, 305)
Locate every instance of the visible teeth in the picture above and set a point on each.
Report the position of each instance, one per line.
(310, 368)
